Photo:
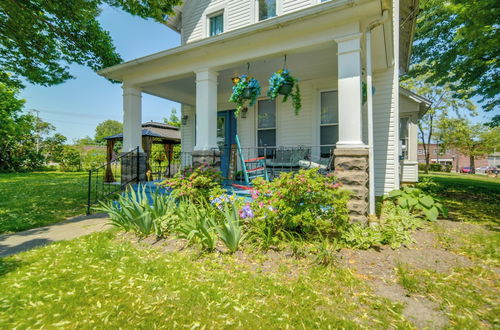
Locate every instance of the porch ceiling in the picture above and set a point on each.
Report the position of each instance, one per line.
(317, 63)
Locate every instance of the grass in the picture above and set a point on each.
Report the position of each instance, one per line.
(98, 282)
(29, 200)
(468, 295)
(470, 198)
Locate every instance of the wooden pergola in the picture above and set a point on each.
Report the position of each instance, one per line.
(152, 133)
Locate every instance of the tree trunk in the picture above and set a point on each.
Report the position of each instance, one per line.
(472, 165)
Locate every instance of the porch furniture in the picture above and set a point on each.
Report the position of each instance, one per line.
(252, 168)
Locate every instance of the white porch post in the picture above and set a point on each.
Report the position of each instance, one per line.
(132, 118)
(349, 87)
(206, 110)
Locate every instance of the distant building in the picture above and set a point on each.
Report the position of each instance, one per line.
(453, 157)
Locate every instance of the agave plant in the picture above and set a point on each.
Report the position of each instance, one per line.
(230, 230)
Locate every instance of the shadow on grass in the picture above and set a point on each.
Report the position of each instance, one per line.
(8, 265)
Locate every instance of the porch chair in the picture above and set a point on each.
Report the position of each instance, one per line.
(252, 168)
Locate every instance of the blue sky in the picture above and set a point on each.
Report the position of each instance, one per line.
(77, 106)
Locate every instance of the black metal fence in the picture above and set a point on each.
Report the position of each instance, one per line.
(129, 168)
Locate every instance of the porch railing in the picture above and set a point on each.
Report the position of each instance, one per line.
(111, 177)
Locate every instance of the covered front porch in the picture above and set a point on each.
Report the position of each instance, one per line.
(333, 54)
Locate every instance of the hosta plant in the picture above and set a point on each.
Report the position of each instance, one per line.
(417, 202)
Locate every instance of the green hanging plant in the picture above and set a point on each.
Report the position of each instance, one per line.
(282, 83)
(245, 90)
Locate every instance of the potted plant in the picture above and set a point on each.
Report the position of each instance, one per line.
(245, 89)
(283, 83)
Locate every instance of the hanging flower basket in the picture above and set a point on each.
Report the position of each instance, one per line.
(282, 83)
(245, 90)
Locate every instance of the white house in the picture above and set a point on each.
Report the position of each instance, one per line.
(332, 47)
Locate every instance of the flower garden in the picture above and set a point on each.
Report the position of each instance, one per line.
(298, 209)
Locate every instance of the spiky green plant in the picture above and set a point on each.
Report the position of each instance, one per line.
(197, 224)
(230, 230)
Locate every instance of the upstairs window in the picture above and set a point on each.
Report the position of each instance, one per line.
(267, 9)
(216, 24)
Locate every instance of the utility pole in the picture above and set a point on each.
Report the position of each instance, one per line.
(37, 129)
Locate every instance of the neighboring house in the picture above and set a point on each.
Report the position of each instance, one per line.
(451, 157)
(332, 47)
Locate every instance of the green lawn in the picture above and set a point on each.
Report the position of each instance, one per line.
(29, 200)
(470, 198)
(98, 282)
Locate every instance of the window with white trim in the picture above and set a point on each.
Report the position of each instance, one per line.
(216, 24)
(403, 136)
(266, 125)
(267, 9)
(329, 122)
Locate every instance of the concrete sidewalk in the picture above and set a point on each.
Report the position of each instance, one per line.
(68, 229)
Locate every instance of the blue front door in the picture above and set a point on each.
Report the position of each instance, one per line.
(226, 133)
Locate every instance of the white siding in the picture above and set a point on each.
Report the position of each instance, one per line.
(188, 130)
(409, 172)
(384, 132)
(293, 5)
(238, 13)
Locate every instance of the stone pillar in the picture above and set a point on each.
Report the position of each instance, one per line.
(209, 157)
(206, 110)
(351, 169)
(351, 154)
(132, 118)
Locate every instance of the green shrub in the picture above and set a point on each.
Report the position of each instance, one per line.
(427, 185)
(301, 204)
(417, 202)
(132, 211)
(195, 183)
(197, 224)
(394, 229)
(435, 167)
(230, 231)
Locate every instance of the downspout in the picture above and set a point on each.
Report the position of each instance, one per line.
(369, 87)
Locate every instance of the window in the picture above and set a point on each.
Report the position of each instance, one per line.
(329, 123)
(403, 137)
(266, 125)
(420, 152)
(267, 9)
(216, 24)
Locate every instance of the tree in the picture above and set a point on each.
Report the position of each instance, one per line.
(53, 147)
(107, 128)
(18, 133)
(173, 119)
(85, 141)
(38, 38)
(442, 103)
(458, 42)
(470, 139)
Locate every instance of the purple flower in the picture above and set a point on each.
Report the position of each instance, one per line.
(246, 212)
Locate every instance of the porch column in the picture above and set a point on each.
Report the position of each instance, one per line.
(205, 149)
(133, 165)
(351, 154)
(206, 110)
(132, 117)
(349, 91)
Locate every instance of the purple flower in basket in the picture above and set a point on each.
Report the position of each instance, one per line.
(246, 212)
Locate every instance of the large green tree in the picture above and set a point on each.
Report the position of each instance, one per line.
(107, 128)
(38, 38)
(443, 103)
(458, 42)
(18, 133)
(472, 140)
